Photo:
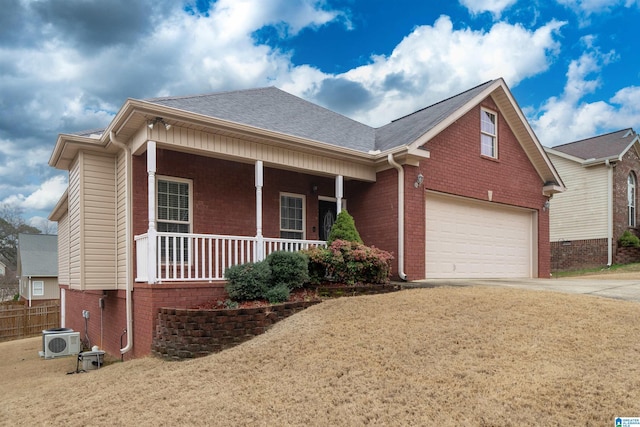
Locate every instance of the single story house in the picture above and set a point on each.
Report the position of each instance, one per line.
(586, 221)
(38, 268)
(176, 189)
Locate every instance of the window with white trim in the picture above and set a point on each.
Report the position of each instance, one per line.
(631, 199)
(174, 214)
(37, 288)
(488, 133)
(291, 216)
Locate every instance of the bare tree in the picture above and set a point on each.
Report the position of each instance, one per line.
(11, 225)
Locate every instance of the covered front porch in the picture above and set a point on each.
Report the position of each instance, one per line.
(195, 233)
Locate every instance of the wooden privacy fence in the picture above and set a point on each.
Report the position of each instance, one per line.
(20, 321)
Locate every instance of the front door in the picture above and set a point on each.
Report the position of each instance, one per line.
(326, 218)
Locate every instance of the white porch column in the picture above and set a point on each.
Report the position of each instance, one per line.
(151, 231)
(339, 193)
(259, 250)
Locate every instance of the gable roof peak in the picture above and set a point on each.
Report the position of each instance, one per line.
(445, 100)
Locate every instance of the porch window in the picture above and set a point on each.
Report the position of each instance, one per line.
(488, 133)
(631, 199)
(174, 214)
(291, 216)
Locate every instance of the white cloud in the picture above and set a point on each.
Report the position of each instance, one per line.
(42, 198)
(496, 7)
(569, 117)
(434, 62)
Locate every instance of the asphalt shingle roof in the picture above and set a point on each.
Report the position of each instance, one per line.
(599, 147)
(407, 129)
(276, 110)
(38, 254)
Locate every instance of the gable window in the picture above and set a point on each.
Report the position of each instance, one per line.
(488, 133)
(174, 215)
(291, 216)
(631, 199)
(37, 288)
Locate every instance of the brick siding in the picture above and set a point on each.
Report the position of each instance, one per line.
(578, 254)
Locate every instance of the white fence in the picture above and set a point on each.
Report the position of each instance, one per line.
(205, 257)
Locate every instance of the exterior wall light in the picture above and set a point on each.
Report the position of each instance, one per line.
(157, 120)
(419, 180)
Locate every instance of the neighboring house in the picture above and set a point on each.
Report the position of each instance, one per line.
(38, 268)
(601, 175)
(176, 189)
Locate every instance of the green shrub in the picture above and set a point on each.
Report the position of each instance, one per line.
(290, 269)
(248, 281)
(344, 229)
(628, 239)
(349, 263)
(277, 294)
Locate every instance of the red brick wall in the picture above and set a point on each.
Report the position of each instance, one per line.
(630, 164)
(105, 327)
(578, 254)
(374, 207)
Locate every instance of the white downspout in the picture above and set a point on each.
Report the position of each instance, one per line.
(400, 170)
(128, 194)
(609, 212)
(29, 291)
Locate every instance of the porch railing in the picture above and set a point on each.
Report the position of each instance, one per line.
(205, 257)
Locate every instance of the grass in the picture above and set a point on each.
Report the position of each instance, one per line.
(614, 269)
(443, 356)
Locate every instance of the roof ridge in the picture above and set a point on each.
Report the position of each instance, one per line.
(202, 95)
(443, 100)
(593, 137)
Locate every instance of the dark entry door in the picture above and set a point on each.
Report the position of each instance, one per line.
(326, 218)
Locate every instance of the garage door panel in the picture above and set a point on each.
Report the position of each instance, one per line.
(471, 239)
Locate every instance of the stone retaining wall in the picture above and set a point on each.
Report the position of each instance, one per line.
(188, 333)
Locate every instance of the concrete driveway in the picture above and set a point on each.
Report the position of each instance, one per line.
(628, 290)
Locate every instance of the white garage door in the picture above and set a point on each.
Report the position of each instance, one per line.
(471, 239)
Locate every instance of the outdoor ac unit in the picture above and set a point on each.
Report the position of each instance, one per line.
(56, 345)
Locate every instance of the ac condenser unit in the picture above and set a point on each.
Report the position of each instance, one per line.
(56, 345)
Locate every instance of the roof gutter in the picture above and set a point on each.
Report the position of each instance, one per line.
(400, 170)
(128, 193)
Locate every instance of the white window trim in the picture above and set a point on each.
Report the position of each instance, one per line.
(188, 261)
(304, 213)
(180, 180)
(631, 199)
(494, 135)
(37, 284)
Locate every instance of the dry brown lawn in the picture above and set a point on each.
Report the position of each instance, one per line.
(445, 356)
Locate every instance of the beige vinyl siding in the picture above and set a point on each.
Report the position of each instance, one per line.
(239, 149)
(121, 218)
(74, 227)
(99, 221)
(63, 249)
(91, 221)
(580, 212)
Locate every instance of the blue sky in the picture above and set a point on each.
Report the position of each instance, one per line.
(68, 65)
